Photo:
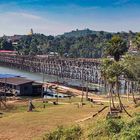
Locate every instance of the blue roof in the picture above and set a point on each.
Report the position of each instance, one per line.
(8, 75)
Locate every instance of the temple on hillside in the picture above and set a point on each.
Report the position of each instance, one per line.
(31, 32)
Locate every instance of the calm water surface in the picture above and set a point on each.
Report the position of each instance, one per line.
(36, 76)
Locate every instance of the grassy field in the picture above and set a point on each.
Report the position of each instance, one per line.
(18, 124)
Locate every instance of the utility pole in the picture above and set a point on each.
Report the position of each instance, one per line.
(57, 81)
(57, 90)
(87, 90)
(5, 89)
(43, 79)
(82, 85)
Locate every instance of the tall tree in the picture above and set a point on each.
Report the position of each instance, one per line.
(116, 47)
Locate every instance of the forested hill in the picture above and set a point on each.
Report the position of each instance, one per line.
(79, 43)
(78, 33)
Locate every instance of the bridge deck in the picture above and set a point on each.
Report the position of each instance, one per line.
(83, 69)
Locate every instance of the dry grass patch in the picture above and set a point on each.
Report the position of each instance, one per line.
(23, 125)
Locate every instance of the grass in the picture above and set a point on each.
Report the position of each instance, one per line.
(17, 123)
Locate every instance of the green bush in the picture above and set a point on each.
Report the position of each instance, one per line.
(114, 129)
(109, 128)
(73, 133)
(55, 135)
(135, 121)
(61, 133)
(132, 134)
(132, 129)
(114, 126)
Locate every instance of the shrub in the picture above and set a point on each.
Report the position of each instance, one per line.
(132, 129)
(114, 126)
(97, 132)
(132, 134)
(109, 128)
(73, 133)
(61, 133)
(55, 135)
(135, 121)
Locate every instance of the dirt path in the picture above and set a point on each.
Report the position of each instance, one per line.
(92, 115)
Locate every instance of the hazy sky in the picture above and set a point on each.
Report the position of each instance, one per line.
(59, 16)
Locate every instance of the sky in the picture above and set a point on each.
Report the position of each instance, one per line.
(54, 17)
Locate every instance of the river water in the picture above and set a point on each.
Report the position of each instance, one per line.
(38, 77)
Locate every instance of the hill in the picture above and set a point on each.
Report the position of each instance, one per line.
(80, 43)
(79, 33)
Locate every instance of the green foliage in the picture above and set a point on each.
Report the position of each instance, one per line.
(131, 131)
(107, 128)
(73, 133)
(114, 126)
(110, 70)
(131, 65)
(115, 70)
(136, 41)
(61, 133)
(56, 135)
(79, 43)
(5, 44)
(99, 131)
(113, 129)
(116, 129)
(116, 47)
(132, 134)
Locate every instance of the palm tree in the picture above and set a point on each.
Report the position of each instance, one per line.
(116, 47)
(114, 72)
(108, 81)
(104, 66)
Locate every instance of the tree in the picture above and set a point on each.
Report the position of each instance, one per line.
(108, 80)
(132, 71)
(6, 45)
(136, 41)
(116, 47)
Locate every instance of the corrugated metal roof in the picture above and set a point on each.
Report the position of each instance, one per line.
(15, 80)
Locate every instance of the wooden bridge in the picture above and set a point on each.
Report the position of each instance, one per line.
(83, 69)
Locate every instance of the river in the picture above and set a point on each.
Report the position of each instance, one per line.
(38, 77)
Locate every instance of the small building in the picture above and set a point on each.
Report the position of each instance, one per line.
(20, 86)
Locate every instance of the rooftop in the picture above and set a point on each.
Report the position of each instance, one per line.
(15, 80)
